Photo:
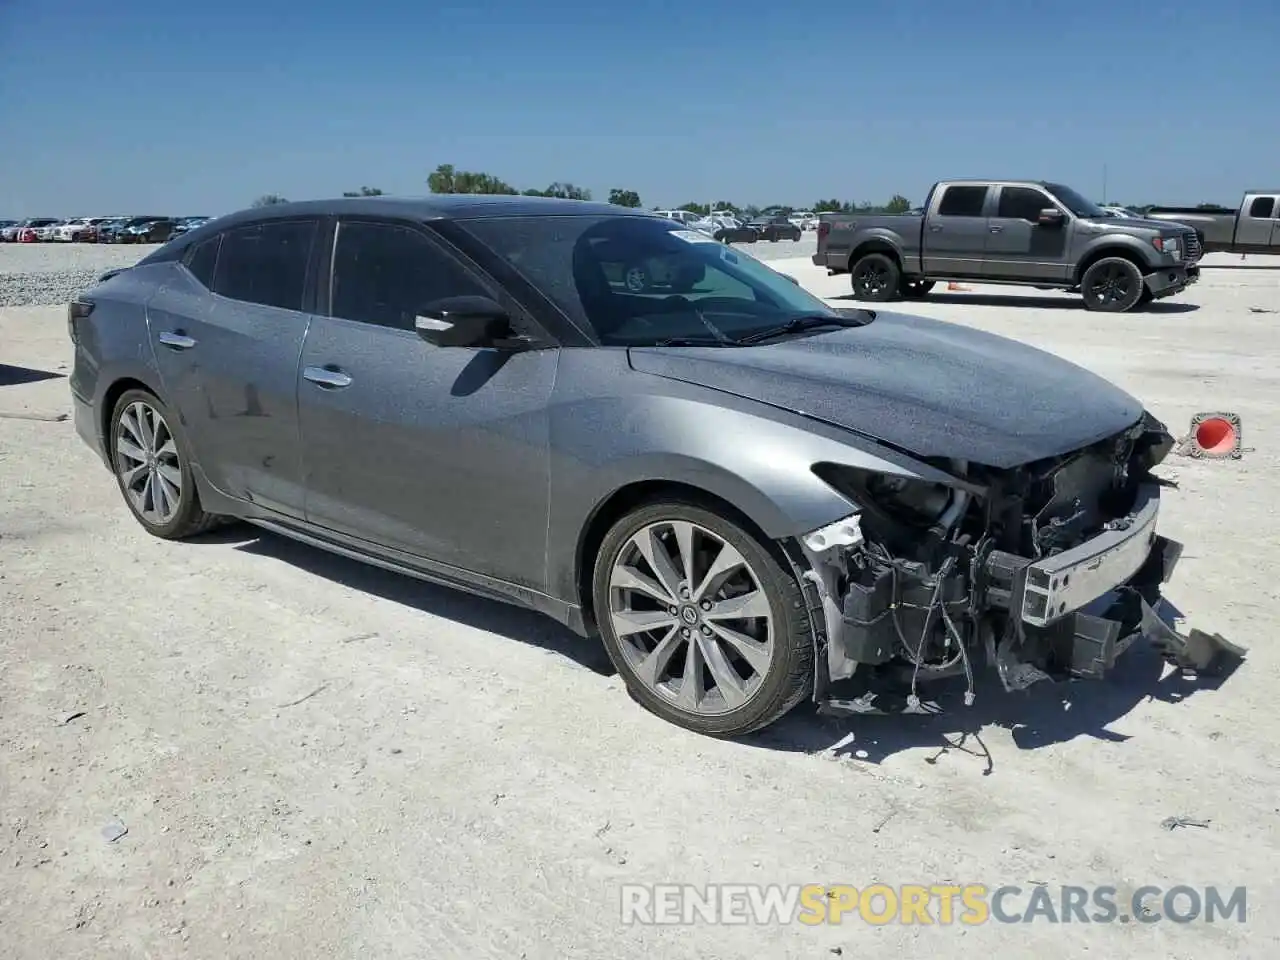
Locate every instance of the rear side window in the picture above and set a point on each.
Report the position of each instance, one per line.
(962, 201)
(202, 260)
(1264, 208)
(386, 274)
(266, 263)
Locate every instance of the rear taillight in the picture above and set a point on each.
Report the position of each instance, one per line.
(824, 228)
(77, 310)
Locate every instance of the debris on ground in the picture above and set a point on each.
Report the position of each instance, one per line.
(113, 831)
(1172, 823)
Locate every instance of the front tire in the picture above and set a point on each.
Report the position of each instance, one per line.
(876, 277)
(706, 627)
(152, 466)
(1112, 285)
(916, 289)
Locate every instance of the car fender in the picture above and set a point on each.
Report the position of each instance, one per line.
(756, 458)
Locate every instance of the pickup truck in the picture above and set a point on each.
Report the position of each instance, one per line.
(1029, 233)
(1253, 227)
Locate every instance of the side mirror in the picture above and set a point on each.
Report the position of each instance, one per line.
(468, 321)
(1050, 217)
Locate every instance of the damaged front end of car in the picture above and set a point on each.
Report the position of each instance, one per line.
(1047, 571)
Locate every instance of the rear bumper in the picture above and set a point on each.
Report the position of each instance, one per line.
(87, 425)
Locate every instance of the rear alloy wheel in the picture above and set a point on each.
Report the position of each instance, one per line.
(1112, 285)
(916, 289)
(636, 278)
(705, 626)
(153, 469)
(876, 277)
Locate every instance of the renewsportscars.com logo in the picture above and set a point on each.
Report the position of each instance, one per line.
(926, 904)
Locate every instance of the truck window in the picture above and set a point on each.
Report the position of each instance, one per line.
(962, 201)
(1022, 203)
(1264, 208)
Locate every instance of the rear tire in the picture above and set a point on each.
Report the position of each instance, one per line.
(1112, 285)
(877, 278)
(743, 646)
(152, 465)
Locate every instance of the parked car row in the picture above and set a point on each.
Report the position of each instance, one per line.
(137, 229)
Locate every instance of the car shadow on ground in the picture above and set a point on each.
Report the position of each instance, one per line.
(1045, 714)
(1030, 302)
(493, 616)
(12, 376)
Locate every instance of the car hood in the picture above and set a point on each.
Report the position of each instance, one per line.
(1161, 226)
(931, 388)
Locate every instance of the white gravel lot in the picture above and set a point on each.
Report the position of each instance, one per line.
(314, 758)
(37, 274)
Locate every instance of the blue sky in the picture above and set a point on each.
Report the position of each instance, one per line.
(168, 106)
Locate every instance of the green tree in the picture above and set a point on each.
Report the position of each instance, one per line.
(447, 179)
(363, 192)
(624, 198)
(567, 191)
(897, 204)
(269, 199)
(828, 206)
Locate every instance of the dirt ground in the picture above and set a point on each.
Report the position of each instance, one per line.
(313, 758)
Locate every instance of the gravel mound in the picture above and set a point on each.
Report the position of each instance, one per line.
(41, 274)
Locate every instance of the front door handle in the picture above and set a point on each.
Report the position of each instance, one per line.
(997, 229)
(327, 377)
(177, 340)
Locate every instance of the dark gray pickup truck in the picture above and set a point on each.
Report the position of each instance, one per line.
(1011, 231)
(1253, 227)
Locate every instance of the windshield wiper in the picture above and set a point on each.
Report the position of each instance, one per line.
(695, 342)
(807, 322)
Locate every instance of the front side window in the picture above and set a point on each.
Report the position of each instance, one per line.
(635, 281)
(1022, 203)
(266, 263)
(386, 274)
(962, 201)
(1263, 208)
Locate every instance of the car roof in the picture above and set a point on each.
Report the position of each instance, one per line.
(435, 207)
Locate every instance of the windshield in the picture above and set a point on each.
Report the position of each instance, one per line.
(639, 281)
(1076, 203)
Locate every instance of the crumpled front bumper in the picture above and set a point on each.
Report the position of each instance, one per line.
(1077, 611)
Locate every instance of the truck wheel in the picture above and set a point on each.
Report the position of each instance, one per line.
(876, 277)
(1112, 285)
(916, 289)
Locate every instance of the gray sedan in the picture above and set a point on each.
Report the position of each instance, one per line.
(748, 496)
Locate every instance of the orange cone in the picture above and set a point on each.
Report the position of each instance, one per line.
(1213, 436)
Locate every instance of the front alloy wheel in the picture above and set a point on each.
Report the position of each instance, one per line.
(703, 623)
(1112, 285)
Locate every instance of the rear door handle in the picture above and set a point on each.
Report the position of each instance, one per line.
(177, 340)
(997, 229)
(327, 377)
(935, 229)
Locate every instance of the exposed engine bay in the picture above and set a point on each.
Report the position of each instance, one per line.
(1047, 571)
